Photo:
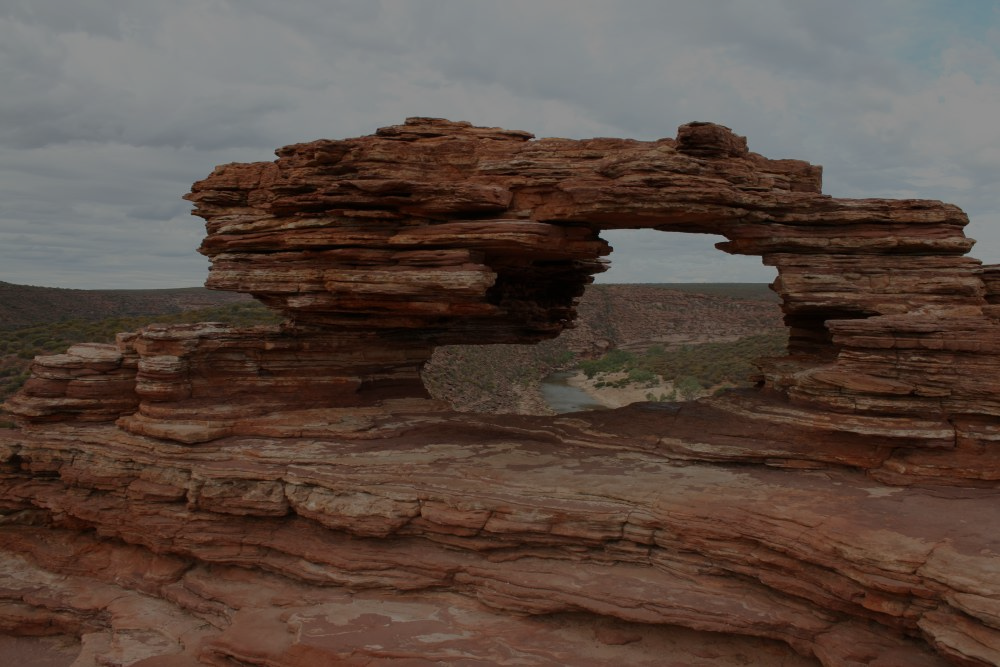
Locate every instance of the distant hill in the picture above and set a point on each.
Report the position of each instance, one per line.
(733, 290)
(639, 315)
(26, 305)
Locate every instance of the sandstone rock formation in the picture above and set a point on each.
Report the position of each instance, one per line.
(331, 510)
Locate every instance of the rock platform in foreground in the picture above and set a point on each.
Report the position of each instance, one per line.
(494, 517)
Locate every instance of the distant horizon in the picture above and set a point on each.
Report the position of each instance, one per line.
(181, 287)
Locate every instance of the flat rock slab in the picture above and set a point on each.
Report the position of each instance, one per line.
(531, 521)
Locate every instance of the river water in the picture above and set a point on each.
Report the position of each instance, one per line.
(562, 398)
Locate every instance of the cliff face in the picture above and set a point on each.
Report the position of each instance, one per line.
(332, 510)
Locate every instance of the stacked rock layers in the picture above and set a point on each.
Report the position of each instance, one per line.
(434, 232)
(479, 235)
(334, 512)
(200, 382)
(500, 519)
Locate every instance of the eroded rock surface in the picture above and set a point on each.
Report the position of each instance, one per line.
(292, 496)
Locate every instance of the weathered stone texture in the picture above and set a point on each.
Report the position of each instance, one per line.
(478, 235)
(824, 561)
(91, 382)
(845, 510)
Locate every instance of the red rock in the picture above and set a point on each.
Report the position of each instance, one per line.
(90, 382)
(844, 510)
(782, 554)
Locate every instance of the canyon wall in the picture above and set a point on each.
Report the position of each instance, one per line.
(291, 495)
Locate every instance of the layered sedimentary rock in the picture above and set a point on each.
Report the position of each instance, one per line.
(90, 382)
(539, 517)
(846, 509)
(194, 383)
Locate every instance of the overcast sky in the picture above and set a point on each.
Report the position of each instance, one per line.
(110, 109)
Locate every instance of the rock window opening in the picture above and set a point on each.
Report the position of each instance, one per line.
(672, 319)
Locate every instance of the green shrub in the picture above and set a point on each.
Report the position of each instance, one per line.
(688, 387)
(642, 376)
(613, 361)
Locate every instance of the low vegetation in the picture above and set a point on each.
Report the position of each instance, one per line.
(501, 378)
(26, 305)
(704, 365)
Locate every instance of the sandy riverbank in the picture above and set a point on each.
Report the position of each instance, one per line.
(614, 397)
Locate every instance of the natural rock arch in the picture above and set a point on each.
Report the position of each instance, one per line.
(512, 227)
(330, 490)
(500, 209)
(433, 232)
(437, 232)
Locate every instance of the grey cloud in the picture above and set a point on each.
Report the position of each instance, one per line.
(114, 253)
(640, 254)
(819, 41)
(172, 88)
(112, 108)
(98, 17)
(158, 211)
